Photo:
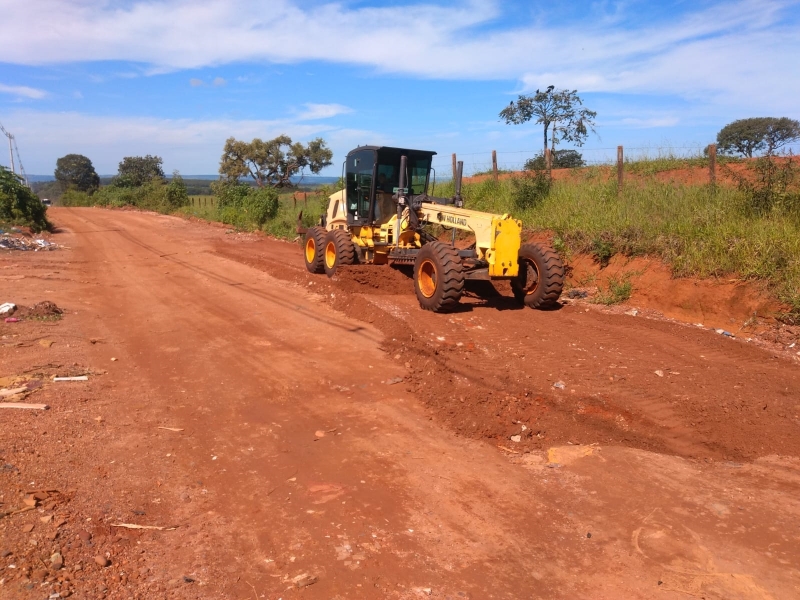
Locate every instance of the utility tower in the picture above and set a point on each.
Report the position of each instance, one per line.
(12, 147)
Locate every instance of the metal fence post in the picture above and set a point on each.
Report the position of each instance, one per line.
(620, 169)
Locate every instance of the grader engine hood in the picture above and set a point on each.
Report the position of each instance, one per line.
(497, 237)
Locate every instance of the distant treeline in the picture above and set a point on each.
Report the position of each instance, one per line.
(194, 187)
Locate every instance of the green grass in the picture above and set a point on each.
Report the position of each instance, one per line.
(619, 290)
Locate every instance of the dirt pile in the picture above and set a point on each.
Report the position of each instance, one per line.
(40, 310)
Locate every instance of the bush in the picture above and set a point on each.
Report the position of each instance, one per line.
(770, 185)
(19, 205)
(562, 159)
(73, 197)
(530, 189)
(243, 206)
(176, 191)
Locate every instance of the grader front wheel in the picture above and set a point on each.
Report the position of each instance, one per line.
(438, 277)
(313, 249)
(339, 250)
(541, 276)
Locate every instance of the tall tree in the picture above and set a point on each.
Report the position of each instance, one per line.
(758, 134)
(274, 162)
(562, 110)
(135, 171)
(75, 171)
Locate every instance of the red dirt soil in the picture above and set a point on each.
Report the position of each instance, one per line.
(289, 424)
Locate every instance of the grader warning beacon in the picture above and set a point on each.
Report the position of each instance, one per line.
(380, 217)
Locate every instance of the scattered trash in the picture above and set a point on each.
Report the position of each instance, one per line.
(304, 580)
(792, 345)
(24, 405)
(134, 526)
(508, 449)
(13, 391)
(13, 320)
(171, 428)
(660, 373)
(516, 438)
(78, 378)
(7, 308)
(560, 385)
(8, 242)
(725, 333)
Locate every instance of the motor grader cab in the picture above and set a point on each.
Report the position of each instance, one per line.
(384, 215)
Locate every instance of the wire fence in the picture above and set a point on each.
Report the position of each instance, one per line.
(481, 162)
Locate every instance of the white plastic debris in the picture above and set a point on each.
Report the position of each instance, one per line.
(560, 385)
(7, 308)
(78, 378)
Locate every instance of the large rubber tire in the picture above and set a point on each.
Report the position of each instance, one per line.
(541, 276)
(438, 277)
(339, 249)
(313, 247)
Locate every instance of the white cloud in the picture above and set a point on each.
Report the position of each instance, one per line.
(322, 111)
(22, 91)
(190, 145)
(713, 53)
(194, 82)
(218, 82)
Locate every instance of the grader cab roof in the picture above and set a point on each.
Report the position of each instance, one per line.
(392, 150)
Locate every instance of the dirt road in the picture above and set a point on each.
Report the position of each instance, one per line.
(328, 439)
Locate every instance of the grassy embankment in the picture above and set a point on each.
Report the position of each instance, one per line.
(698, 231)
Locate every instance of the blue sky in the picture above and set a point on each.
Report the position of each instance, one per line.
(113, 78)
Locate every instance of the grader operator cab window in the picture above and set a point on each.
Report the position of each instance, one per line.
(360, 179)
(373, 176)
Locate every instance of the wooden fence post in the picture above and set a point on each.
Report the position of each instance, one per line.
(712, 164)
(454, 166)
(494, 164)
(620, 169)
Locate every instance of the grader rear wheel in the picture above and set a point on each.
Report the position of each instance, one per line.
(313, 248)
(338, 250)
(541, 276)
(438, 277)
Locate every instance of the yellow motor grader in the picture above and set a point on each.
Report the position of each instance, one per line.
(384, 214)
